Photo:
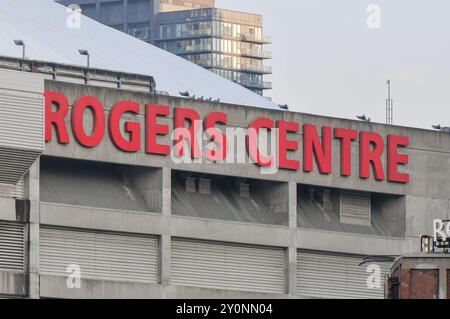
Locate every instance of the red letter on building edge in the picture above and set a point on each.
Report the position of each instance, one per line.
(182, 115)
(312, 146)
(152, 111)
(394, 158)
(252, 141)
(216, 135)
(132, 128)
(285, 145)
(371, 157)
(56, 118)
(346, 136)
(98, 113)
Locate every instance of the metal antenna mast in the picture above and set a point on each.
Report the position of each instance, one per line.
(389, 105)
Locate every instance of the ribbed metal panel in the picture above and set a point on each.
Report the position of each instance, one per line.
(21, 81)
(100, 255)
(14, 191)
(21, 110)
(14, 163)
(355, 208)
(322, 275)
(190, 185)
(21, 123)
(227, 266)
(204, 186)
(11, 246)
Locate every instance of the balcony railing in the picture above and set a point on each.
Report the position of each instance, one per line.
(261, 39)
(202, 49)
(190, 50)
(256, 53)
(190, 34)
(263, 85)
(261, 69)
(256, 38)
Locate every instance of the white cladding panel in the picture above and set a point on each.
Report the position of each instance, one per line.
(227, 266)
(100, 255)
(14, 191)
(324, 275)
(21, 123)
(11, 246)
(21, 110)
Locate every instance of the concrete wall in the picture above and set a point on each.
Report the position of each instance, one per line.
(427, 196)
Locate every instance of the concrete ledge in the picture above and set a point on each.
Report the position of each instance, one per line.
(233, 232)
(13, 284)
(184, 292)
(225, 231)
(99, 219)
(55, 287)
(155, 224)
(354, 243)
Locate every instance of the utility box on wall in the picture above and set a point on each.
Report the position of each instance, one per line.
(420, 276)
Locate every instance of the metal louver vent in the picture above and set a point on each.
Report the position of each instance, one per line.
(21, 123)
(204, 186)
(190, 185)
(324, 275)
(13, 191)
(355, 208)
(100, 255)
(11, 246)
(244, 190)
(227, 266)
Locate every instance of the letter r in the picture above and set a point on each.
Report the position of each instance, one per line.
(56, 118)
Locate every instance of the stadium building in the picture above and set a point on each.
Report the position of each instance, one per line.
(93, 205)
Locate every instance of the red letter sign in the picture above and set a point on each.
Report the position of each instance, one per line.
(98, 124)
(286, 145)
(132, 128)
(154, 129)
(192, 116)
(369, 156)
(252, 141)
(56, 118)
(216, 135)
(346, 137)
(394, 158)
(312, 146)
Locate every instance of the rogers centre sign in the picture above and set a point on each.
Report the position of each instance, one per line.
(316, 147)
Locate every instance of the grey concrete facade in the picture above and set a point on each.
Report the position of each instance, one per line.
(426, 197)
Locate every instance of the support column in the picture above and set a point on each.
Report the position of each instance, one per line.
(32, 193)
(292, 250)
(165, 242)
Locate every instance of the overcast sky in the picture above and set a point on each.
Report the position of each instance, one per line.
(327, 61)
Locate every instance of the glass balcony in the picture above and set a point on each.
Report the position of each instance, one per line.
(260, 39)
(252, 53)
(260, 69)
(257, 69)
(262, 85)
(256, 38)
(184, 35)
(190, 50)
